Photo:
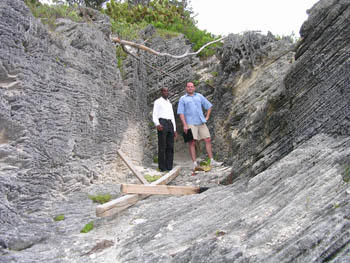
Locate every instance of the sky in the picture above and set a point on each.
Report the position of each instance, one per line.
(280, 17)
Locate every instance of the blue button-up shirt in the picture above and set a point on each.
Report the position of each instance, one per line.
(191, 107)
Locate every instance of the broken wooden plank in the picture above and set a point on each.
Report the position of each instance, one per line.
(121, 203)
(161, 189)
(132, 168)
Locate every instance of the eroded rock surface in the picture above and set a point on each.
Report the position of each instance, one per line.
(64, 111)
(283, 198)
(271, 104)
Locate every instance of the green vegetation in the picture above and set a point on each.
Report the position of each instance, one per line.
(152, 178)
(196, 82)
(96, 4)
(126, 30)
(155, 159)
(101, 199)
(169, 17)
(121, 56)
(49, 14)
(346, 173)
(88, 227)
(59, 217)
(205, 162)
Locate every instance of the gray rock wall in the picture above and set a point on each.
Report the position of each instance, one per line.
(271, 104)
(249, 112)
(64, 112)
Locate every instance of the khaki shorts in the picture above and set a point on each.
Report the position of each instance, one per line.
(199, 131)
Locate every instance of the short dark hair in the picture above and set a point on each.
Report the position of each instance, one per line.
(162, 88)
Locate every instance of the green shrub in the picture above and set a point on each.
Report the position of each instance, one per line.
(49, 13)
(88, 227)
(59, 217)
(101, 199)
(166, 16)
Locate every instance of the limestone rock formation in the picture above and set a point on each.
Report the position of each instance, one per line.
(64, 112)
(271, 104)
(281, 125)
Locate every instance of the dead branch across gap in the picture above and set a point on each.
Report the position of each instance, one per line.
(154, 52)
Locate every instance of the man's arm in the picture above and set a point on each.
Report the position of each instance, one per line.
(208, 113)
(183, 120)
(181, 111)
(207, 105)
(155, 117)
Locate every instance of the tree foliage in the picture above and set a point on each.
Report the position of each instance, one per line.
(49, 13)
(128, 17)
(171, 15)
(96, 4)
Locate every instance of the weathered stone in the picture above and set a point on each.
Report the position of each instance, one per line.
(282, 104)
(64, 113)
(65, 110)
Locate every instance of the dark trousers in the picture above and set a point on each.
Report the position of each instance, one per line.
(166, 145)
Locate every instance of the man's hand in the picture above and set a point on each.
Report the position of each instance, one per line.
(208, 114)
(185, 129)
(175, 135)
(160, 127)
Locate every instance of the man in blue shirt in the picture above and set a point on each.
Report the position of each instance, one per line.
(192, 117)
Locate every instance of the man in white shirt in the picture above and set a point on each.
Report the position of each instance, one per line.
(163, 118)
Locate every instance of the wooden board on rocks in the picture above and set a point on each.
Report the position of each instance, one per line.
(121, 203)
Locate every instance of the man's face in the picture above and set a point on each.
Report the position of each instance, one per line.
(165, 92)
(190, 88)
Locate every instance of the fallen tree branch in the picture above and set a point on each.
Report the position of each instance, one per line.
(147, 64)
(154, 52)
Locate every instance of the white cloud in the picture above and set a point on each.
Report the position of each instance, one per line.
(281, 17)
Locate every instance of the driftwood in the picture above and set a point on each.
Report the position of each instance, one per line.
(154, 52)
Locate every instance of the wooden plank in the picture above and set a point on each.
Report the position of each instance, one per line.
(159, 189)
(167, 178)
(121, 203)
(132, 168)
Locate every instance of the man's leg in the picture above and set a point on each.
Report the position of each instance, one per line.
(169, 150)
(210, 153)
(208, 147)
(161, 150)
(192, 148)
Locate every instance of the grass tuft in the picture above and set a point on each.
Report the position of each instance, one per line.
(152, 178)
(59, 217)
(88, 227)
(101, 199)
